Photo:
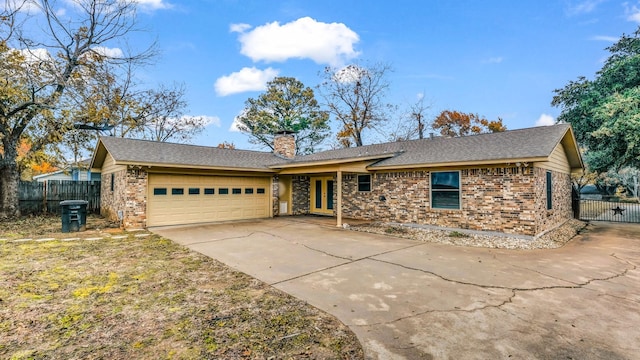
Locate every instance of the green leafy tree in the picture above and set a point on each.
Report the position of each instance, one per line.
(286, 105)
(605, 111)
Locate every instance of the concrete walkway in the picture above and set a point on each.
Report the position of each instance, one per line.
(413, 300)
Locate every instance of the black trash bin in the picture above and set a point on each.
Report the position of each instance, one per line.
(74, 215)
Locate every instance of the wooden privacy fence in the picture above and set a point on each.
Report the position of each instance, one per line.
(40, 197)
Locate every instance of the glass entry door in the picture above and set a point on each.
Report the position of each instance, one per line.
(322, 195)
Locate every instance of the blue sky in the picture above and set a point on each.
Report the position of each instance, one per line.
(495, 58)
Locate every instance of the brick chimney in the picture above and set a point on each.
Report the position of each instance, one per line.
(284, 144)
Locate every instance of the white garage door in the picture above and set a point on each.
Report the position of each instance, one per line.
(188, 199)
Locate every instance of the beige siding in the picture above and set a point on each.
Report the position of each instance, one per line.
(172, 209)
(557, 161)
(109, 165)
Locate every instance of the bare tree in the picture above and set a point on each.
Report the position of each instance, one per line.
(354, 95)
(412, 123)
(38, 69)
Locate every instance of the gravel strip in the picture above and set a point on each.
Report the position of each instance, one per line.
(553, 239)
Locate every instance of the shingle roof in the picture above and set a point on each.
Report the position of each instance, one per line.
(135, 151)
(537, 142)
(513, 144)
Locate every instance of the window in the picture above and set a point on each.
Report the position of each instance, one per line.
(364, 182)
(236, 191)
(113, 181)
(209, 191)
(194, 191)
(260, 191)
(223, 191)
(549, 191)
(445, 190)
(248, 190)
(159, 191)
(177, 191)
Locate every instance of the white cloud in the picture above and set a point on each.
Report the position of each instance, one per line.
(304, 38)
(605, 38)
(28, 6)
(114, 53)
(36, 55)
(205, 120)
(240, 28)
(154, 4)
(247, 79)
(350, 74)
(235, 125)
(632, 12)
(545, 120)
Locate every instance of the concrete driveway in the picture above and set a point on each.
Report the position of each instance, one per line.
(411, 300)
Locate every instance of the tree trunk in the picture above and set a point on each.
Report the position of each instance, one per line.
(9, 181)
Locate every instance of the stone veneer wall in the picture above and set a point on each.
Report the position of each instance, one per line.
(561, 200)
(112, 201)
(275, 191)
(493, 199)
(301, 193)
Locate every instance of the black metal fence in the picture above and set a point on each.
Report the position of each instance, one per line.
(40, 197)
(607, 210)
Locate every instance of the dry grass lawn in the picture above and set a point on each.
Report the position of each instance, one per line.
(144, 297)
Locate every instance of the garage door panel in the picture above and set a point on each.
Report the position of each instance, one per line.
(171, 209)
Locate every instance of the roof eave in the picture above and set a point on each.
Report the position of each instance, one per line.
(572, 149)
(331, 162)
(460, 163)
(191, 166)
(99, 154)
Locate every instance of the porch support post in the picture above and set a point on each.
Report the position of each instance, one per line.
(339, 185)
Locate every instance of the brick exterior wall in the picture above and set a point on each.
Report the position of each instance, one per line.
(135, 216)
(129, 196)
(301, 195)
(560, 202)
(504, 199)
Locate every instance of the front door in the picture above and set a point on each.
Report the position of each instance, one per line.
(322, 195)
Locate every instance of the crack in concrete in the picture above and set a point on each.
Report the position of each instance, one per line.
(514, 291)
(432, 311)
(348, 261)
(235, 237)
(362, 258)
(575, 286)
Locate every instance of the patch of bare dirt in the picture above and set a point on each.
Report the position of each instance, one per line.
(46, 226)
(147, 297)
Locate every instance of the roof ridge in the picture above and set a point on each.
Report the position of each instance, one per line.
(181, 144)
